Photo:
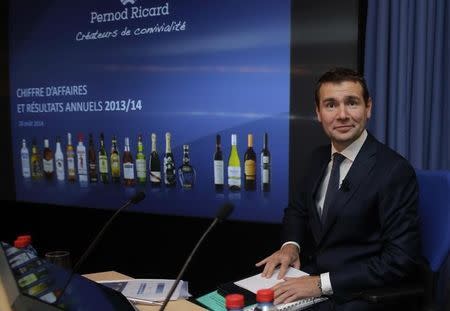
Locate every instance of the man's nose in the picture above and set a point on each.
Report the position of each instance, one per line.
(342, 111)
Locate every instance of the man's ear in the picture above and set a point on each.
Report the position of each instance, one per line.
(369, 108)
(318, 114)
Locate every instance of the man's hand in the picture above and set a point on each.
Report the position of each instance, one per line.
(293, 289)
(287, 256)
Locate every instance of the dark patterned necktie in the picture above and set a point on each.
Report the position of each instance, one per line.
(333, 184)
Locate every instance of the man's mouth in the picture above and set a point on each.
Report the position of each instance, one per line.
(343, 127)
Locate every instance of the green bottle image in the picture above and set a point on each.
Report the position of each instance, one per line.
(103, 161)
(234, 166)
(37, 171)
(70, 155)
(115, 161)
(141, 164)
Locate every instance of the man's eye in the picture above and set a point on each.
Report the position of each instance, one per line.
(330, 104)
(352, 103)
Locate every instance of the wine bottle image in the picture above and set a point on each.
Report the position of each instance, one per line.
(59, 161)
(218, 165)
(25, 159)
(115, 161)
(47, 160)
(70, 154)
(103, 161)
(81, 160)
(155, 164)
(128, 165)
(186, 172)
(170, 178)
(93, 178)
(234, 166)
(265, 165)
(250, 165)
(36, 163)
(141, 165)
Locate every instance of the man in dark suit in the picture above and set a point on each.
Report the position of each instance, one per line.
(353, 225)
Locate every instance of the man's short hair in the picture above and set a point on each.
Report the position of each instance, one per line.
(338, 75)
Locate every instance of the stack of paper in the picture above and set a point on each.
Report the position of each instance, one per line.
(149, 291)
(256, 282)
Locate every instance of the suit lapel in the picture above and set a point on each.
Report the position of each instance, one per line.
(361, 167)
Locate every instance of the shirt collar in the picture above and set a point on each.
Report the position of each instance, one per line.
(352, 150)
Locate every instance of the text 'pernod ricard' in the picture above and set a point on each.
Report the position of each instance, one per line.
(134, 12)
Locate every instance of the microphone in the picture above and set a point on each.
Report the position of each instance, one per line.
(138, 197)
(221, 215)
(345, 185)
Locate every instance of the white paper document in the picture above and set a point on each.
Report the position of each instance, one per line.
(151, 290)
(256, 282)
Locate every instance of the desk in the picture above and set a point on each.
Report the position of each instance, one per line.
(4, 305)
(175, 305)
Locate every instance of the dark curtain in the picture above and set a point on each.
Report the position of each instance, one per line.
(407, 69)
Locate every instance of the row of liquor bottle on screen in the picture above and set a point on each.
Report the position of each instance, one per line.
(94, 165)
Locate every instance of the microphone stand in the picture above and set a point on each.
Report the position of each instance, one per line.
(88, 251)
(97, 238)
(174, 286)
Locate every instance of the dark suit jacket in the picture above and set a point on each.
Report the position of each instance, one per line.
(370, 237)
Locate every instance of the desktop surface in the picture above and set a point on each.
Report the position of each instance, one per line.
(175, 305)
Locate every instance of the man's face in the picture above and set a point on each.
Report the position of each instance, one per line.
(343, 112)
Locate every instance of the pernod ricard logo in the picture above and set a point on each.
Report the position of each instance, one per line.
(125, 2)
(129, 12)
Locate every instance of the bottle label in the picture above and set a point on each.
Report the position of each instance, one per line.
(115, 166)
(70, 164)
(48, 166)
(169, 171)
(103, 164)
(140, 168)
(265, 169)
(218, 172)
(155, 176)
(250, 169)
(60, 168)
(82, 169)
(170, 177)
(265, 176)
(26, 172)
(234, 176)
(36, 169)
(128, 170)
